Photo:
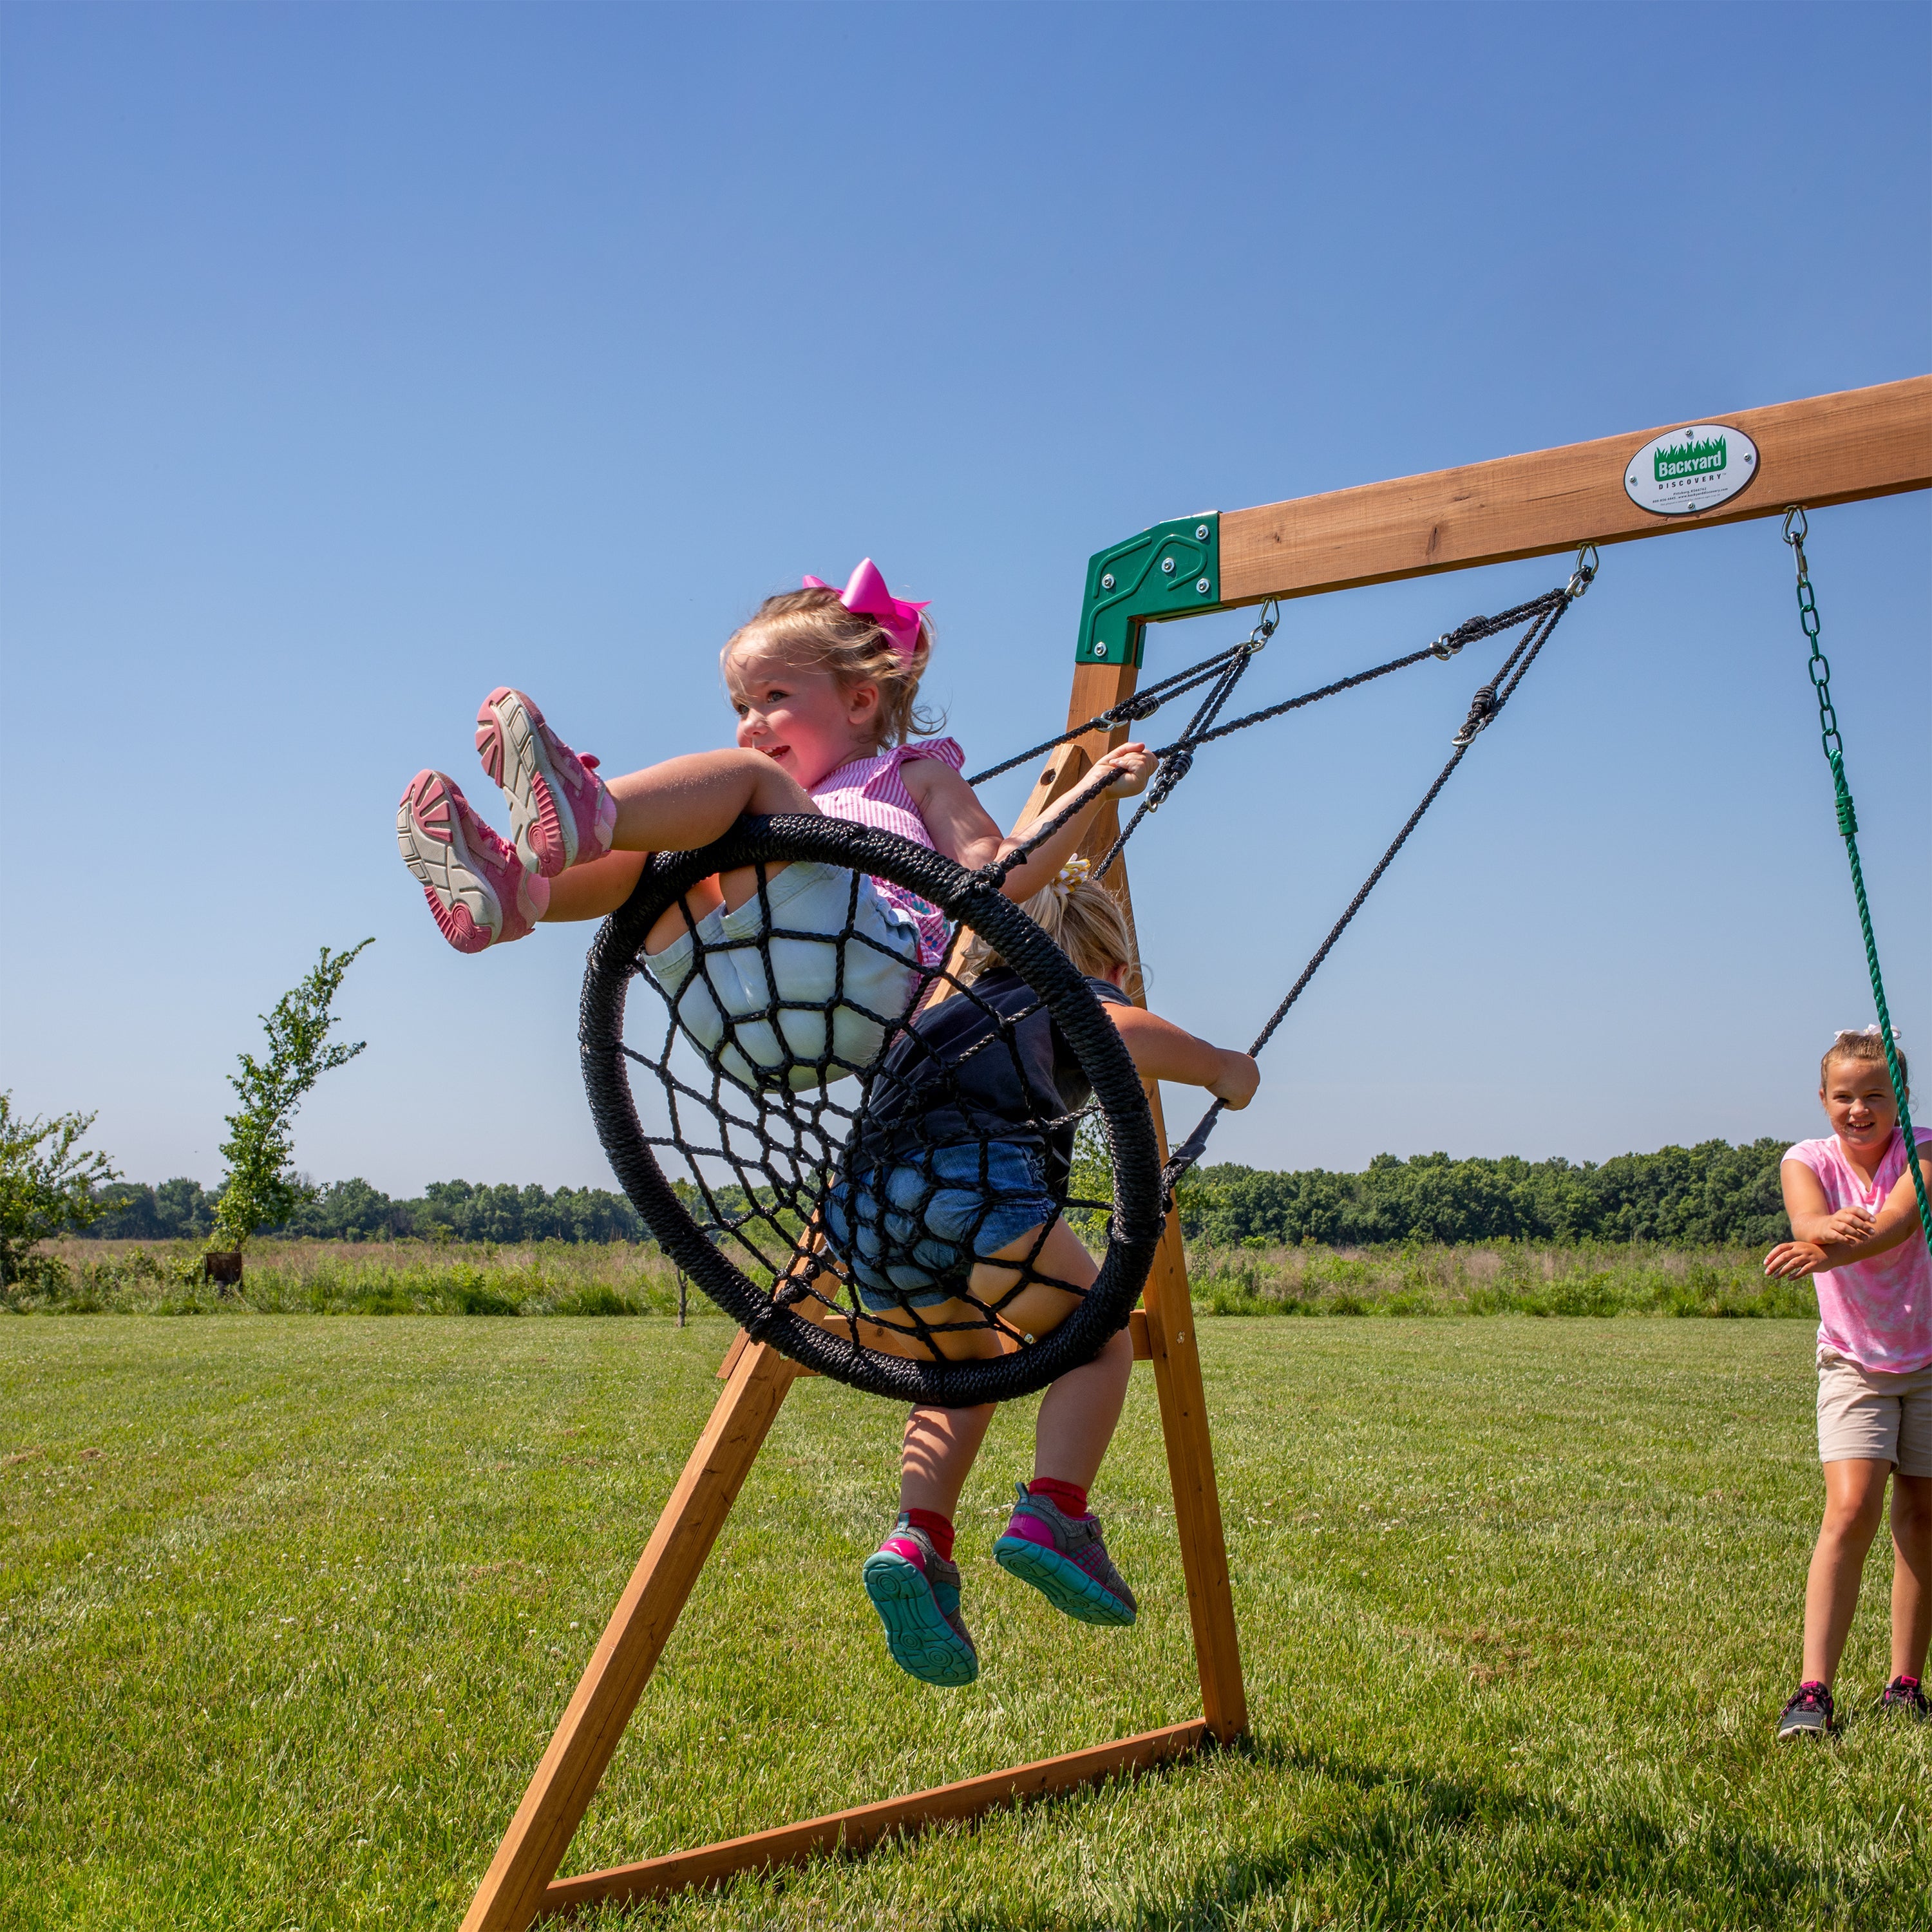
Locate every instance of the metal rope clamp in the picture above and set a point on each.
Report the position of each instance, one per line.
(1482, 707)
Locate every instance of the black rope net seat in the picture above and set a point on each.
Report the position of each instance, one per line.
(829, 1172)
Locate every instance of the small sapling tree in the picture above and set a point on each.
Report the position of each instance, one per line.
(261, 1189)
(47, 1181)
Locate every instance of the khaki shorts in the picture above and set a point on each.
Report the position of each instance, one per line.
(1866, 1415)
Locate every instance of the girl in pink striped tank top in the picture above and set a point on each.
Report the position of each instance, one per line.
(826, 685)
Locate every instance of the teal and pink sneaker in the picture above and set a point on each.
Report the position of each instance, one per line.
(560, 812)
(916, 1591)
(1065, 1558)
(475, 885)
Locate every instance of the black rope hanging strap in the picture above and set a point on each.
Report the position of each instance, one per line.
(1544, 612)
(836, 1142)
(1225, 670)
(1145, 703)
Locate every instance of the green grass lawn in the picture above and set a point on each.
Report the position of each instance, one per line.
(290, 1606)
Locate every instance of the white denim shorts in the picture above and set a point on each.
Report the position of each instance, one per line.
(852, 959)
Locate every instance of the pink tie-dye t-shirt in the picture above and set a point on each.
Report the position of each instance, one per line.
(1878, 1312)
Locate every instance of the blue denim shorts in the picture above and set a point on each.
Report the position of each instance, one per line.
(979, 1197)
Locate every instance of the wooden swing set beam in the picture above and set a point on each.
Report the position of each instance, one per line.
(1840, 449)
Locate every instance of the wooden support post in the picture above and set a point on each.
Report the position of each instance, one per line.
(512, 1890)
(1166, 1318)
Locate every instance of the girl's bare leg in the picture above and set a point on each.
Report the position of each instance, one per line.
(675, 807)
(686, 802)
(1080, 1414)
(941, 1447)
(1854, 1503)
(595, 888)
(1911, 1574)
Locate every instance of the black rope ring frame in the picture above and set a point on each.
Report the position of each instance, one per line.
(791, 1127)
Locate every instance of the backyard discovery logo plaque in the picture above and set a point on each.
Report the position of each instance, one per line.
(1685, 470)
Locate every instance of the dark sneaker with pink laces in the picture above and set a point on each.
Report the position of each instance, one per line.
(1808, 1713)
(560, 813)
(1065, 1558)
(476, 887)
(1905, 1697)
(916, 1591)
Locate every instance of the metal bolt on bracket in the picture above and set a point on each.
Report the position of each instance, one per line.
(1167, 565)
(1200, 584)
(1107, 582)
(1201, 531)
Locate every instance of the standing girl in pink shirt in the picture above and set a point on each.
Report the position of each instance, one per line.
(1855, 1229)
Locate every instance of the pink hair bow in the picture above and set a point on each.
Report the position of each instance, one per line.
(865, 592)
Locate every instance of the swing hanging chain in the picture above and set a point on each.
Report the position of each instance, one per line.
(1490, 700)
(1795, 530)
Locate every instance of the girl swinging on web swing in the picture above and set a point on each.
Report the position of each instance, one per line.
(825, 686)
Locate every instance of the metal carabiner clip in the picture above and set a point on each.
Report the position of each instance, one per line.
(1584, 574)
(1259, 637)
(1795, 539)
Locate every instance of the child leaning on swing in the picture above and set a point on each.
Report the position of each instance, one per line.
(826, 685)
(980, 1199)
(1854, 1221)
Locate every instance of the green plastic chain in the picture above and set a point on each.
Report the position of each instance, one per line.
(1795, 531)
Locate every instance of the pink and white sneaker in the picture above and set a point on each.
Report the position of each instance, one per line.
(475, 884)
(560, 812)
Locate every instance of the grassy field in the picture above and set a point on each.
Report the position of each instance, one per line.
(561, 1278)
(289, 1608)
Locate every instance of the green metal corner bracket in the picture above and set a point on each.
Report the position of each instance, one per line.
(1173, 570)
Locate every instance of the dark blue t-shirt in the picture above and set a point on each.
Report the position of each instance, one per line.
(987, 1063)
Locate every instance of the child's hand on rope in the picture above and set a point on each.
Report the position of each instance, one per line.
(1790, 1259)
(1136, 761)
(1240, 1076)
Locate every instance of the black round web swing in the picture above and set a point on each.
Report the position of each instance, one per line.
(799, 1095)
(834, 1187)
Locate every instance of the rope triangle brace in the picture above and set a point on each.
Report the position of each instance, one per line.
(1543, 614)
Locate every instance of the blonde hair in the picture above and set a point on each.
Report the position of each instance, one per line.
(1864, 1043)
(813, 631)
(1082, 918)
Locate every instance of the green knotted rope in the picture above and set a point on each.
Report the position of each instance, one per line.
(1820, 667)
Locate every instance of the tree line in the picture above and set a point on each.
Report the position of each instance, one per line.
(1711, 1194)
(352, 1210)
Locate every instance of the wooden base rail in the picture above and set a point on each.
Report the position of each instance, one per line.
(866, 1825)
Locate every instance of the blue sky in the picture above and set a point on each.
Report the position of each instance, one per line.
(357, 359)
